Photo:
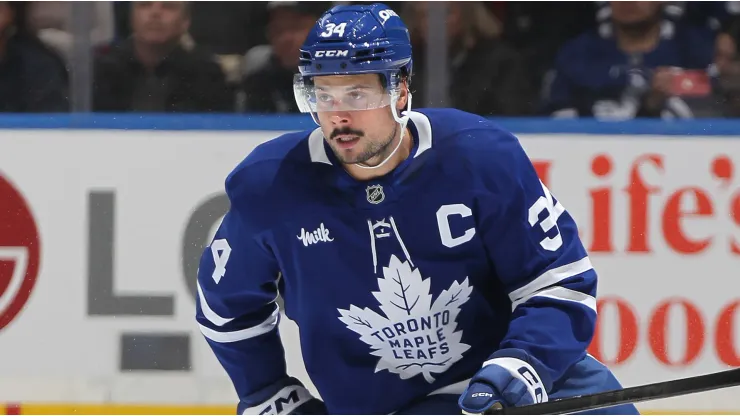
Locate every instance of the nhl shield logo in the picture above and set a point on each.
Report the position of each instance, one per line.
(375, 194)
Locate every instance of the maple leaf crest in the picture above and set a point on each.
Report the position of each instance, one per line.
(416, 335)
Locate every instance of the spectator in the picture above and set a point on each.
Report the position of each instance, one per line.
(153, 72)
(629, 66)
(269, 69)
(218, 27)
(486, 76)
(52, 22)
(32, 77)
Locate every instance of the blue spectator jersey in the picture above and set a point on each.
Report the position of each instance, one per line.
(593, 77)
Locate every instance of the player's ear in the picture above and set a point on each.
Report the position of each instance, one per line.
(403, 97)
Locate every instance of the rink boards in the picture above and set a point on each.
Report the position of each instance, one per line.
(101, 259)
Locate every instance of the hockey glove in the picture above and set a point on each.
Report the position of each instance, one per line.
(504, 381)
(288, 397)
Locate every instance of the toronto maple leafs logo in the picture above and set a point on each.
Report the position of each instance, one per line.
(416, 335)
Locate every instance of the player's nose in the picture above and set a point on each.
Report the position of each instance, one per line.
(339, 118)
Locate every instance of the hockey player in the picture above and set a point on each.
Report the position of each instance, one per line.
(427, 267)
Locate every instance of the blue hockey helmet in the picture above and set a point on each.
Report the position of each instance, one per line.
(350, 40)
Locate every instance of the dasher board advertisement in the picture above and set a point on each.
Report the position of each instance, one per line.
(101, 231)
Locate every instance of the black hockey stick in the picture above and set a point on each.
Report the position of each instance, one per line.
(662, 390)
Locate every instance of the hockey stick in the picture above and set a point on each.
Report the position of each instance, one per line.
(662, 390)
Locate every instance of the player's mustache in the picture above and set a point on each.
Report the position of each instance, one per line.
(345, 131)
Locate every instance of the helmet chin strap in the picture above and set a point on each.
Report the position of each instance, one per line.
(402, 121)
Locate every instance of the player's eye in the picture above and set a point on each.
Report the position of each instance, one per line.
(357, 95)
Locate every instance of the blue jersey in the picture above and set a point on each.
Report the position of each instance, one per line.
(400, 285)
(594, 78)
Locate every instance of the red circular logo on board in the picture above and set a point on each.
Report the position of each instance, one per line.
(19, 252)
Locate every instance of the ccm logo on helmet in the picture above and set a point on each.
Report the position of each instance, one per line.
(331, 54)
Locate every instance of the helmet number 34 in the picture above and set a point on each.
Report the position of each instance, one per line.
(334, 29)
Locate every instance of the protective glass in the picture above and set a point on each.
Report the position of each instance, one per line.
(312, 99)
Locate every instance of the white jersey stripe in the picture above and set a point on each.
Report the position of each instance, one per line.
(266, 326)
(212, 316)
(551, 277)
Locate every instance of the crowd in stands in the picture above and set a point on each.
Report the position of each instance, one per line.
(610, 60)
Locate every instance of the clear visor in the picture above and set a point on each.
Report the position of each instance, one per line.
(356, 97)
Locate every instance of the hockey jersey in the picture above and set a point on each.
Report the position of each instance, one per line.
(592, 77)
(402, 285)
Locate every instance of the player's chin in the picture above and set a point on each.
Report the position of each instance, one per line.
(349, 160)
(351, 157)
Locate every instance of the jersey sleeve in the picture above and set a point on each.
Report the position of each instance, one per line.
(536, 252)
(236, 307)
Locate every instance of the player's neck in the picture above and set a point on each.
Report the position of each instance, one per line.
(403, 152)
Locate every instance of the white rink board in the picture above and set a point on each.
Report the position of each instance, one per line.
(54, 351)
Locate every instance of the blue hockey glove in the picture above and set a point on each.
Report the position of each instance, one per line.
(288, 397)
(509, 382)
